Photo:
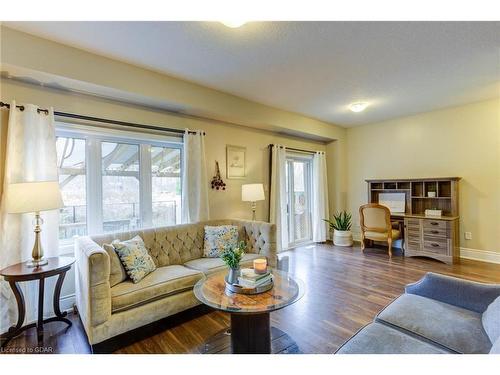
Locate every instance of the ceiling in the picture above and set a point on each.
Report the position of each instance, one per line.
(312, 68)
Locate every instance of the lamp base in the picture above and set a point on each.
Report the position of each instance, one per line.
(37, 263)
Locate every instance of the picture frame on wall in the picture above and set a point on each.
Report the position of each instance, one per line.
(235, 162)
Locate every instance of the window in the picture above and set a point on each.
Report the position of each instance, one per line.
(72, 180)
(113, 181)
(298, 175)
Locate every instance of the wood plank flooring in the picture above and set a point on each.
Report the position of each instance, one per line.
(345, 290)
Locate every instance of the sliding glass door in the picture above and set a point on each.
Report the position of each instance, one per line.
(299, 199)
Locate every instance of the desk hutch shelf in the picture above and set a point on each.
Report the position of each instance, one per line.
(435, 237)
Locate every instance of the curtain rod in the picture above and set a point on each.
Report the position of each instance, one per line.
(297, 149)
(103, 120)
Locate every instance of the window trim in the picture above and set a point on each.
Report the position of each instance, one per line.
(94, 136)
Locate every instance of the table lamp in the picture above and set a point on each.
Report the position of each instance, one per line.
(252, 193)
(34, 197)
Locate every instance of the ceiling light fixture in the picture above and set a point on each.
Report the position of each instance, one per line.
(233, 24)
(358, 107)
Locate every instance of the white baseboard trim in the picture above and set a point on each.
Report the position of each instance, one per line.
(66, 302)
(480, 255)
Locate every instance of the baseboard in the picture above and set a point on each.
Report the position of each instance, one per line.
(480, 255)
(67, 302)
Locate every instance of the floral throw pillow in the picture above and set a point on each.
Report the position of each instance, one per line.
(219, 237)
(135, 258)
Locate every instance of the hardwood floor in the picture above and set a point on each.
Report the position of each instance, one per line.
(345, 290)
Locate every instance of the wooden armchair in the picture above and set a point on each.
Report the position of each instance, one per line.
(375, 222)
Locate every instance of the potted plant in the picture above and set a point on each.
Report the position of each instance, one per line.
(341, 226)
(231, 256)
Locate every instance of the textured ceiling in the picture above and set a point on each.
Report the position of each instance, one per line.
(313, 68)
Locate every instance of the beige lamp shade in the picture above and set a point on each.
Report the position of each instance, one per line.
(252, 192)
(33, 197)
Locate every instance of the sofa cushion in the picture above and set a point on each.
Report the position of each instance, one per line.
(117, 273)
(217, 238)
(458, 329)
(377, 338)
(135, 258)
(209, 265)
(158, 284)
(491, 320)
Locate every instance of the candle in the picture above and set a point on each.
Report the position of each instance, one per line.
(260, 265)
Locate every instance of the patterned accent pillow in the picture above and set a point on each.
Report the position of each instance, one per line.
(217, 238)
(135, 258)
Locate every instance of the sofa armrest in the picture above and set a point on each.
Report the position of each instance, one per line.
(454, 291)
(260, 238)
(93, 291)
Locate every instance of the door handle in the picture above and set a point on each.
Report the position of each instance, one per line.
(434, 244)
(434, 231)
(434, 223)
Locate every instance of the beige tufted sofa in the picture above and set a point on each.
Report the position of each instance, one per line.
(108, 311)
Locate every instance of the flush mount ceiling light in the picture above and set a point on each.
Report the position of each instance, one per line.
(233, 24)
(358, 107)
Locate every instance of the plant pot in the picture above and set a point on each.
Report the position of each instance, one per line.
(232, 276)
(342, 237)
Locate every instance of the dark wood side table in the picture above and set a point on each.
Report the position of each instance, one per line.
(21, 272)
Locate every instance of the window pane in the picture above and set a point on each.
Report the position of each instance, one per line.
(120, 187)
(72, 180)
(166, 185)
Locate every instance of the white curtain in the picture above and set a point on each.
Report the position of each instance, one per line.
(278, 209)
(319, 198)
(30, 156)
(194, 178)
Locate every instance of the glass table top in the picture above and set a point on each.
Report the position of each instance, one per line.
(211, 290)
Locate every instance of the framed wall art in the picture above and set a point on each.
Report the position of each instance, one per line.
(235, 161)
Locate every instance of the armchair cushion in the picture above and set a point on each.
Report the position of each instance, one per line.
(495, 349)
(450, 326)
(376, 338)
(491, 320)
(158, 284)
(377, 236)
(467, 294)
(209, 265)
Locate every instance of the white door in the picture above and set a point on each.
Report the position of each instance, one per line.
(299, 199)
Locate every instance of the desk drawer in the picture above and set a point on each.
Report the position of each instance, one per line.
(436, 245)
(435, 224)
(411, 236)
(439, 232)
(413, 245)
(412, 223)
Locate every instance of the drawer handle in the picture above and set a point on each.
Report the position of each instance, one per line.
(434, 223)
(434, 231)
(434, 244)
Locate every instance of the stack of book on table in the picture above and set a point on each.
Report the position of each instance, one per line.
(250, 279)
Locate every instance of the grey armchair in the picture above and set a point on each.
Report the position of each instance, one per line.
(438, 314)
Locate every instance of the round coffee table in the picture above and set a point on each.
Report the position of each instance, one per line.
(250, 330)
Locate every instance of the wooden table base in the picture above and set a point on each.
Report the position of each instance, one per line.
(223, 343)
(21, 306)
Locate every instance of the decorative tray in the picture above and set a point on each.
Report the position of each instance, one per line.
(235, 288)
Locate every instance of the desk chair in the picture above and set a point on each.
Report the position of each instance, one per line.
(375, 221)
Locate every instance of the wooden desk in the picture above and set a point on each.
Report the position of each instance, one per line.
(434, 237)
